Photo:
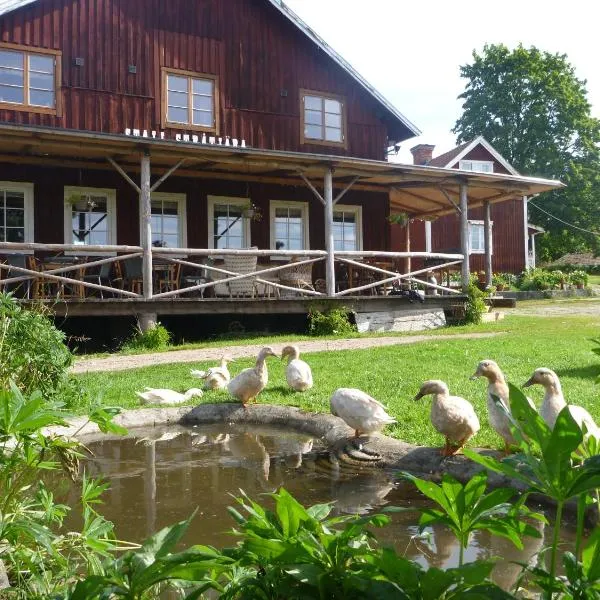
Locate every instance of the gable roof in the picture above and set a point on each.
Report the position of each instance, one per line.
(448, 159)
(411, 129)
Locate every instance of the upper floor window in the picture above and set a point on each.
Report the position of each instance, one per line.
(189, 100)
(289, 225)
(168, 220)
(347, 227)
(480, 166)
(227, 226)
(90, 216)
(16, 212)
(323, 119)
(476, 237)
(29, 80)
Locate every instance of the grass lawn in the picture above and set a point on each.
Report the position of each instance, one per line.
(393, 374)
(594, 280)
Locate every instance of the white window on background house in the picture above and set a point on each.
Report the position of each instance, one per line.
(227, 225)
(190, 100)
(347, 227)
(479, 166)
(477, 237)
(323, 119)
(168, 220)
(28, 79)
(90, 216)
(289, 225)
(16, 212)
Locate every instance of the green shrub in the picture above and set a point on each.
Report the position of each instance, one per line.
(475, 306)
(155, 338)
(33, 353)
(331, 322)
(579, 278)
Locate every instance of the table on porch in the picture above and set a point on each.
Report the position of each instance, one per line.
(44, 288)
(358, 276)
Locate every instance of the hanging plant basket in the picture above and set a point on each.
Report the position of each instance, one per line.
(252, 212)
(402, 219)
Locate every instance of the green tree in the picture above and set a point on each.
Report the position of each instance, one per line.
(533, 109)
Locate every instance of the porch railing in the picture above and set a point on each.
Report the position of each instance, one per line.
(62, 271)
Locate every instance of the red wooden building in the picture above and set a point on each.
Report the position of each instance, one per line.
(186, 157)
(513, 238)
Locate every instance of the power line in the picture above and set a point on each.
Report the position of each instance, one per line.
(564, 222)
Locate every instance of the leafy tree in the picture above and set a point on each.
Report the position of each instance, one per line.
(534, 110)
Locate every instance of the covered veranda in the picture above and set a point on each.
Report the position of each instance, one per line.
(147, 162)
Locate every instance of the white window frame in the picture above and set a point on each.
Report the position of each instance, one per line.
(476, 166)
(357, 210)
(27, 190)
(211, 201)
(482, 224)
(303, 206)
(111, 215)
(181, 200)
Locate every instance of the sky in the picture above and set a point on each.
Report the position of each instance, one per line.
(411, 50)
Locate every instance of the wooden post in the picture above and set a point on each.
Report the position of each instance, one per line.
(407, 260)
(146, 216)
(487, 241)
(464, 236)
(329, 243)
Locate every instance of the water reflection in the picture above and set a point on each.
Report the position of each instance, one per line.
(164, 474)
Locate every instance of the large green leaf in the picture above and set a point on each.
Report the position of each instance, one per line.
(591, 556)
(474, 572)
(290, 513)
(431, 490)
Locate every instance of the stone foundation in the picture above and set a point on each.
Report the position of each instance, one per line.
(400, 320)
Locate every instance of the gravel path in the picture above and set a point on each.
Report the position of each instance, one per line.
(121, 363)
(581, 308)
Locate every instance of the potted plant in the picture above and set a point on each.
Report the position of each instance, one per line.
(499, 281)
(401, 219)
(579, 279)
(559, 279)
(252, 212)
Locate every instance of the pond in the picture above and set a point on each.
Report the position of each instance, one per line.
(161, 475)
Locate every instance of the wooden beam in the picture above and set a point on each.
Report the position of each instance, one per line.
(168, 174)
(447, 196)
(487, 239)
(464, 236)
(345, 190)
(329, 241)
(125, 176)
(146, 214)
(312, 188)
(407, 260)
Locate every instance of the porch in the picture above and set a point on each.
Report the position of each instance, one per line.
(147, 279)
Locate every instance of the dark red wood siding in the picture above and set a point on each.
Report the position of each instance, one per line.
(262, 61)
(508, 239)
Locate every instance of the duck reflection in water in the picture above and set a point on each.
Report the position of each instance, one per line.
(292, 449)
(251, 454)
(361, 493)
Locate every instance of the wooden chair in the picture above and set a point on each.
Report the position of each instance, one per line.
(103, 275)
(134, 277)
(170, 278)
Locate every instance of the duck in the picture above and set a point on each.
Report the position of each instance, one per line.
(216, 378)
(251, 382)
(554, 402)
(453, 416)
(297, 372)
(164, 396)
(497, 386)
(359, 411)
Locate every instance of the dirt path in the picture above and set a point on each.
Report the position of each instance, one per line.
(121, 363)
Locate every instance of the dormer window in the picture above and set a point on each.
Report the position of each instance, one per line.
(29, 79)
(190, 101)
(479, 166)
(323, 119)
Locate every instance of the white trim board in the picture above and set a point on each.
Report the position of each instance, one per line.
(481, 141)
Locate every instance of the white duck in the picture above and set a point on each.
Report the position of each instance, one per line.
(452, 416)
(163, 396)
(250, 382)
(554, 402)
(360, 411)
(215, 378)
(497, 386)
(297, 372)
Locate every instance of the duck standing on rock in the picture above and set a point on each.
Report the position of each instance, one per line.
(250, 382)
(554, 402)
(497, 386)
(215, 378)
(452, 416)
(164, 396)
(297, 372)
(360, 411)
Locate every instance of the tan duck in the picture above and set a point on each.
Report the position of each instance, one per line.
(164, 396)
(360, 411)
(452, 416)
(297, 372)
(554, 402)
(251, 382)
(215, 378)
(497, 386)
